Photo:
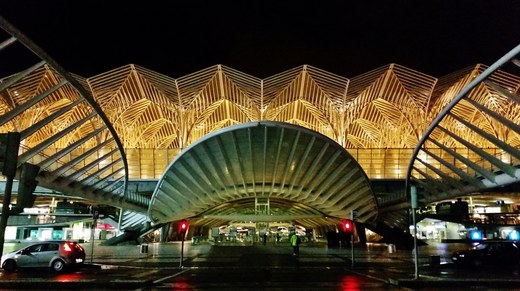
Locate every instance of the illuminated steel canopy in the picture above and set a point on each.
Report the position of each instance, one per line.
(151, 110)
(378, 117)
(278, 161)
(440, 171)
(63, 130)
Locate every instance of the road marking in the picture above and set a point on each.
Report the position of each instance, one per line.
(165, 278)
(143, 274)
(171, 276)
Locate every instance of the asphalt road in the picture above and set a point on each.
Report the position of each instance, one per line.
(259, 267)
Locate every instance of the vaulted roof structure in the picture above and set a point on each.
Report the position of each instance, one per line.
(92, 134)
(264, 161)
(362, 112)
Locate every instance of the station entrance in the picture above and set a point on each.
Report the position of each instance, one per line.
(262, 227)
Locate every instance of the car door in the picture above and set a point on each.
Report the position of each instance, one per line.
(507, 254)
(29, 256)
(47, 253)
(493, 253)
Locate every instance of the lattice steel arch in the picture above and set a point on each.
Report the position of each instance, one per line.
(495, 120)
(63, 129)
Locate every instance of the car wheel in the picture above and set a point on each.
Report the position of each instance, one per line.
(58, 265)
(10, 266)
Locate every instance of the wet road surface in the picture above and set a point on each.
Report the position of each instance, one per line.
(259, 267)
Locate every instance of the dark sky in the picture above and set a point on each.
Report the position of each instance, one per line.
(263, 38)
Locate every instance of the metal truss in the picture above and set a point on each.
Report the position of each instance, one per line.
(473, 144)
(76, 128)
(63, 130)
(151, 110)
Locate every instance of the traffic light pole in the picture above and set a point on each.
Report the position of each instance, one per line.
(182, 250)
(352, 248)
(92, 237)
(183, 228)
(416, 250)
(353, 217)
(413, 202)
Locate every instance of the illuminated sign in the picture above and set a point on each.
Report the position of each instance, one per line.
(475, 234)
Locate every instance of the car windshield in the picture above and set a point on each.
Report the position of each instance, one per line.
(496, 246)
(480, 246)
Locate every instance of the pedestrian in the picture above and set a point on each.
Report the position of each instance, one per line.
(295, 243)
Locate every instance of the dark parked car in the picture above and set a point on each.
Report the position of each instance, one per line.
(54, 254)
(489, 253)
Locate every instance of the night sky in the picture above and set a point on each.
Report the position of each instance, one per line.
(263, 38)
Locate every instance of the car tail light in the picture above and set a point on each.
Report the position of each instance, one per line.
(66, 247)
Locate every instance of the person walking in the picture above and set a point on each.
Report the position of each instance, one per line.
(295, 243)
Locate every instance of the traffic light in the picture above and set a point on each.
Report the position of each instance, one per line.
(348, 226)
(183, 226)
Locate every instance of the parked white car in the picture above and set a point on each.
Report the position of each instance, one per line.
(57, 255)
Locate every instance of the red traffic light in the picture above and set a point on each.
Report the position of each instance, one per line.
(183, 225)
(348, 225)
